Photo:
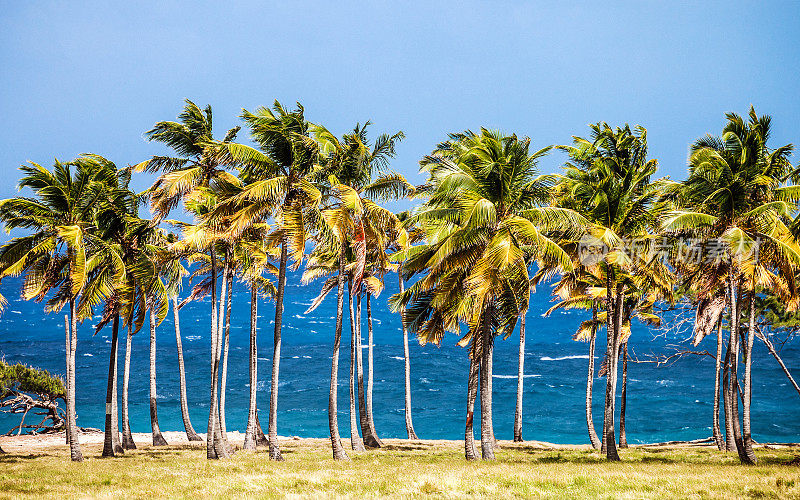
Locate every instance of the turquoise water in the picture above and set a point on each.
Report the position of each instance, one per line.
(664, 402)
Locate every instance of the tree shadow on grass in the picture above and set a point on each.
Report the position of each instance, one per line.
(13, 459)
(406, 447)
(566, 459)
(773, 460)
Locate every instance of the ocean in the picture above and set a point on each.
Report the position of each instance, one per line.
(668, 402)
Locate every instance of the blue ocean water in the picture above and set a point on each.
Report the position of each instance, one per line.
(664, 402)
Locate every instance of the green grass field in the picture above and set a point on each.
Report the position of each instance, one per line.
(402, 469)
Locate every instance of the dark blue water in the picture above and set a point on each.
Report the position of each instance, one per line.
(664, 403)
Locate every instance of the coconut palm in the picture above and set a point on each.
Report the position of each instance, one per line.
(127, 436)
(415, 235)
(112, 213)
(199, 164)
(175, 284)
(154, 269)
(735, 200)
(482, 218)
(131, 299)
(203, 241)
(607, 180)
(353, 162)
(252, 255)
(277, 177)
(584, 289)
(64, 255)
(358, 225)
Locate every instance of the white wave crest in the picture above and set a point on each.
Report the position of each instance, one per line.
(562, 358)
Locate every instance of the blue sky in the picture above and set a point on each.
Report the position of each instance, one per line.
(92, 77)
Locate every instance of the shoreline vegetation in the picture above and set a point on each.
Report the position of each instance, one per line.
(603, 235)
(36, 466)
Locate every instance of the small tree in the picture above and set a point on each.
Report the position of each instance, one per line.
(24, 389)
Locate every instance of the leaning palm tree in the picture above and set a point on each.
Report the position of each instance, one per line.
(131, 299)
(483, 216)
(351, 212)
(112, 214)
(584, 288)
(199, 164)
(207, 235)
(415, 235)
(277, 177)
(64, 258)
(736, 201)
(174, 282)
(253, 257)
(607, 179)
(153, 268)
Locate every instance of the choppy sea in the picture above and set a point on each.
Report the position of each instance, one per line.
(665, 402)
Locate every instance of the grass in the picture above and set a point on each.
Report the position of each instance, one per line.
(402, 469)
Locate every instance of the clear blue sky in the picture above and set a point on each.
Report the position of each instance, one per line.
(82, 77)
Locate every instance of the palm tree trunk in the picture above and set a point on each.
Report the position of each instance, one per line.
(109, 448)
(375, 440)
(158, 439)
(74, 445)
(716, 431)
(612, 350)
(116, 441)
(590, 383)
(472, 391)
(220, 336)
(215, 448)
(623, 438)
(127, 437)
(250, 432)
(227, 330)
(355, 440)
(727, 398)
(487, 437)
(67, 349)
(274, 450)
(490, 379)
(333, 411)
(747, 437)
(187, 423)
(520, 378)
(733, 381)
(407, 360)
(366, 435)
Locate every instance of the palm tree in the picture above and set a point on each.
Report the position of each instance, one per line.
(482, 218)
(607, 179)
(354, 221)
(520, 378)
(277, 177)
(593, 439)
(208, 235)
(111, 215)
(735, 200)
(154, 266)
(324, 260)
(198, 165)
(252, 255)
(191, 434)
(131, 298)
(127, 436)
(414, 236)
(64, 255)
(352, 162)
